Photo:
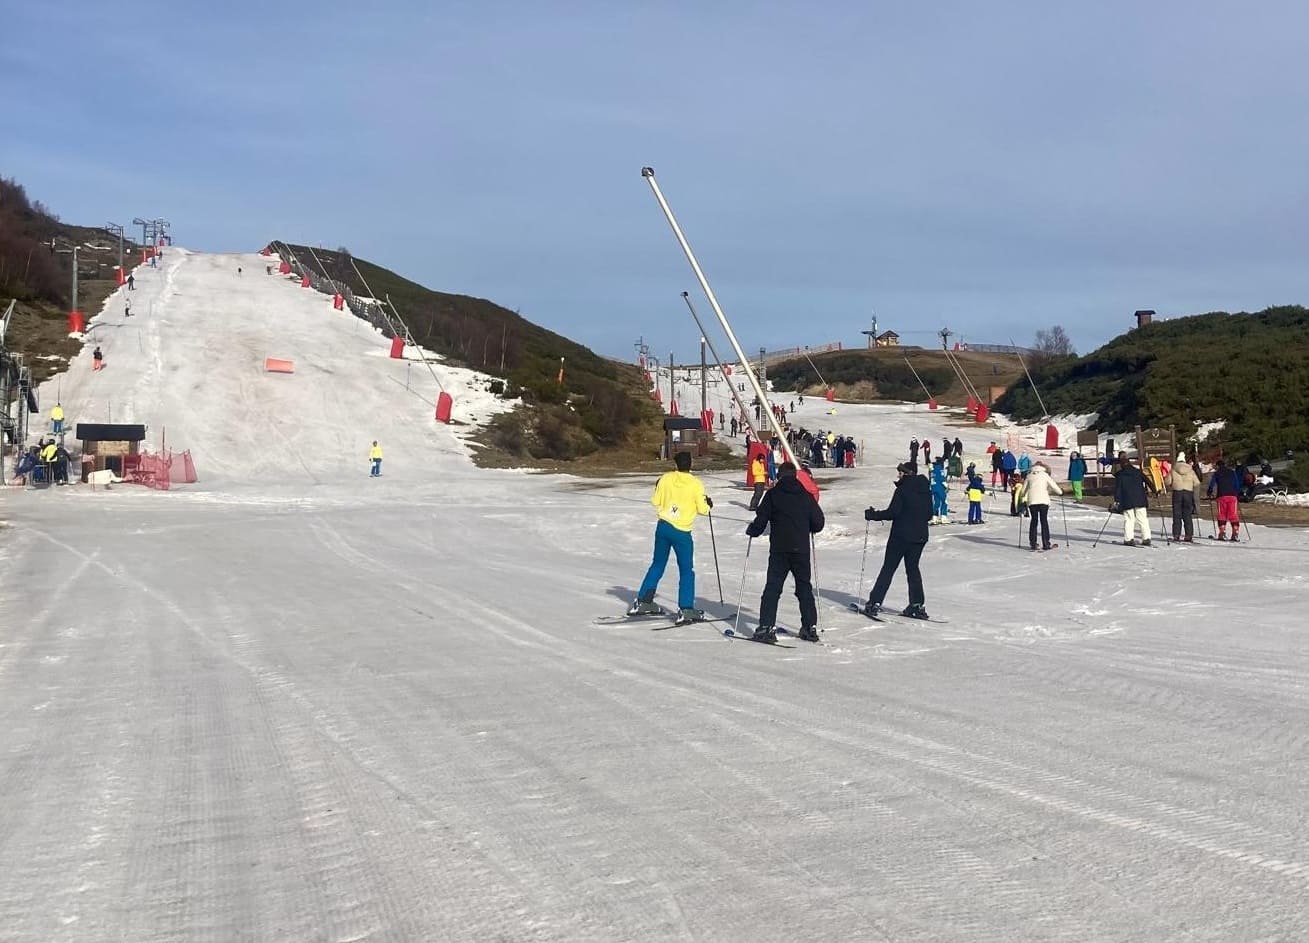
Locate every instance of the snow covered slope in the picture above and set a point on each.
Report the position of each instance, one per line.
(189, 363)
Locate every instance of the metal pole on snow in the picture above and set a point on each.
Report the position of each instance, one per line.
(649, 175)
(731, 387)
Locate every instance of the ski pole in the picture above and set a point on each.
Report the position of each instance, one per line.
(1107, 518)
(863, 560)
(740, 596)
(1063, 509)
(818, 595)
(714, 543)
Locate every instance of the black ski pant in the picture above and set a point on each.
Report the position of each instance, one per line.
(1183, 511)
(897, 550)
(796, 564)
(759, 490)
(1039, 512)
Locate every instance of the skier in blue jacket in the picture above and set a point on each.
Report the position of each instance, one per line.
(940, 512)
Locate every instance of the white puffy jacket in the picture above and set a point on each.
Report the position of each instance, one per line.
(1039, 486)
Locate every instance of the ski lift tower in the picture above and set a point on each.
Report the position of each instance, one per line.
(945, 334)
(872, 334)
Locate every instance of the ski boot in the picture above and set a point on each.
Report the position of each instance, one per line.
(765, 633)
(808, 633)
(685, 616)
(871, 609)
(915, 611)
(644, 607)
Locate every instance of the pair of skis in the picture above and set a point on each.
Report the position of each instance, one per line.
(855, 607)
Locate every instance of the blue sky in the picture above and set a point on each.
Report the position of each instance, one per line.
(996, 168)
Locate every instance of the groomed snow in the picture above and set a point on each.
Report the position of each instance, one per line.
(291, 703)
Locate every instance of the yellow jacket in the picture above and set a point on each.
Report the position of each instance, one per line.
(679, 497)
(375, 452)
(57, 413)
(48, 453)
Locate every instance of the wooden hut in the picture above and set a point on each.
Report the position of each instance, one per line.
(107, 445)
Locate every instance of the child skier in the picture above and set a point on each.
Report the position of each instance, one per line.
(976, 489)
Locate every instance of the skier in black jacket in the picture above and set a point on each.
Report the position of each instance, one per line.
(792, 514)
(1131, 498)
(909, 511)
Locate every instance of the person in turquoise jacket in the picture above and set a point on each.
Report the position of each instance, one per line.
(940, 511)
(1076, 474)
(1024, 463)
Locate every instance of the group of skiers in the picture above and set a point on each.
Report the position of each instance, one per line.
(790, 511)
(791, 514)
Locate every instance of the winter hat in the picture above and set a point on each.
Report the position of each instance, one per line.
(1181, 456)
(907, 468)
(786, 470)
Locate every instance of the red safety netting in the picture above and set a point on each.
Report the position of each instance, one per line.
(160, 470)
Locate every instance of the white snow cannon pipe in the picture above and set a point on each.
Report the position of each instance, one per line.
(765, 406)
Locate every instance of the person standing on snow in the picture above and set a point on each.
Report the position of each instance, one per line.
(1024, 463)
(758, 479)
(1009, 465)
(131, 283)
(57, 419)
(1076, 474)
(1226, 482)
(375, 456)
(1131, 499)
(97, 359)
(1037, 489)
(790, 514)
(976, 489)
(997, 465)
(909, 511)
(679, 497)
(1183, 483)
(940, 511)
(959, 447)
(913, 450)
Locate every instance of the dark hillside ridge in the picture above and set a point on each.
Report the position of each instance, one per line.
(1249, 370)
(38, 276)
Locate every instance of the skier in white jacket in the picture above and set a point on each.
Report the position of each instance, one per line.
(1037, 492)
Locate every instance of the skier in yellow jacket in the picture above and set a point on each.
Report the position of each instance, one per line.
(375, 456)
(679, 497)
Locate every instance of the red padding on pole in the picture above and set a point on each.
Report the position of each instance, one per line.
(1051, 437)
(76, 322)
(304, 281)
(443, 406)
(398, 348)
(338, 302)
(982, 412)
(931, 404)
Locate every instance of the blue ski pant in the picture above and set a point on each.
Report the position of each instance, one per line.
(974, 512)
(939, 506)
(376, 469)
(669, 538)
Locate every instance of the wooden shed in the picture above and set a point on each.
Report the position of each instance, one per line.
(684, 434)
(106, 444)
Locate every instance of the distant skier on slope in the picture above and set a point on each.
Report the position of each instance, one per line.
(375, 456)
(97, 359)
(679, 498)
(909, 511)
(791, 514)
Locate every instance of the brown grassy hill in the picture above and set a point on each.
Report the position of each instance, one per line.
(867, 376)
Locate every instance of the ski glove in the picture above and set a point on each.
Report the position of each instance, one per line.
(868, 514)
(709, 501)
(1115, 509)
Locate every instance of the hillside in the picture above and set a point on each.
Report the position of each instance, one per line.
(602, 406)
(39, 275)
(882, 374)
(1249, 371)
